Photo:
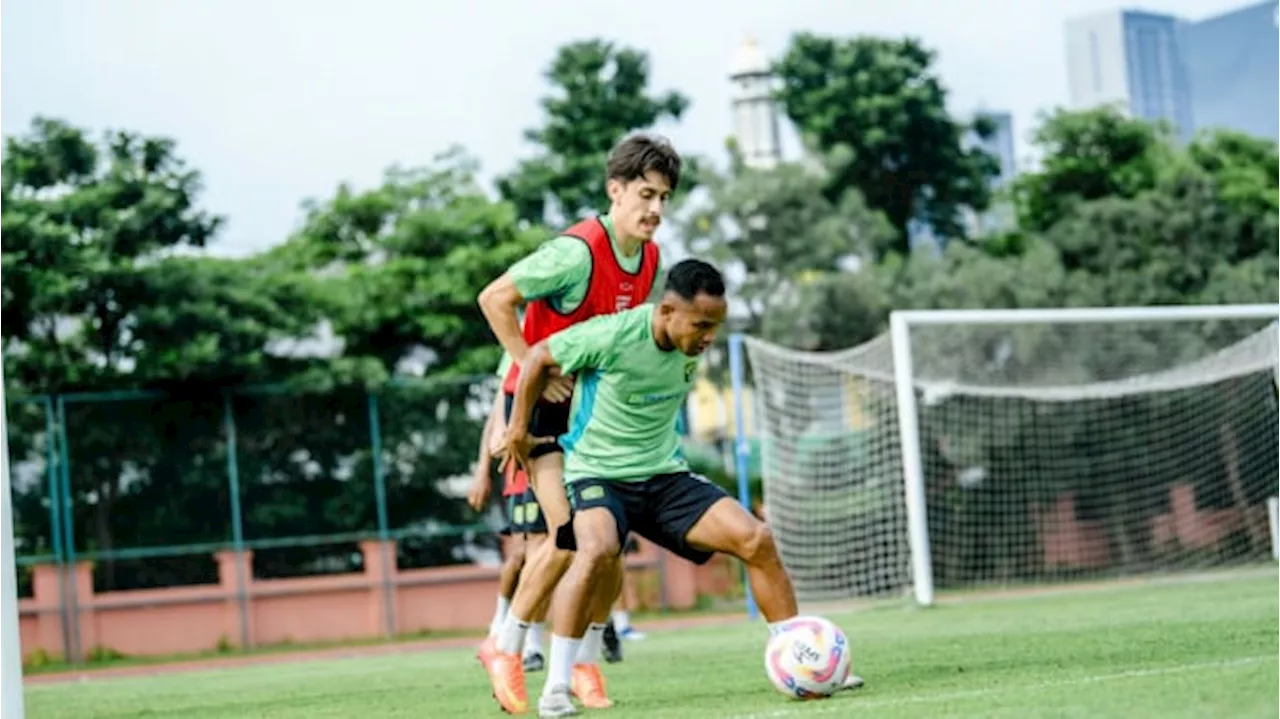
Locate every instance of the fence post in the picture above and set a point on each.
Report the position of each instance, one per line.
(55, 518)
(742, 448)
(384, 531)
(237, 524)
(69, 575)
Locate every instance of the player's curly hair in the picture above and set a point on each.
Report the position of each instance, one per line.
(690, 277)
(641, 153)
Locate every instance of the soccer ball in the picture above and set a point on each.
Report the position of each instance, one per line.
(808, 658)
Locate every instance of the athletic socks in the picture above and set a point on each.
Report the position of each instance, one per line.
(511, 635)
(499, 614)
(621, 620)
(592, 645)
(533, 640)
(563, 652)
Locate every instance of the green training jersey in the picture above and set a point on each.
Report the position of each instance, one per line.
(560, 270)
(626, 403)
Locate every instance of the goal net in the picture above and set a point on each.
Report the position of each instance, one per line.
(1041, 448)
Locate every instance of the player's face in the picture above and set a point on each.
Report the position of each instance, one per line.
(637, 205)
(692, 326)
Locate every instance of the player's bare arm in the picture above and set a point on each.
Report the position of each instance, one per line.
(481, 482)
(500, 303)
(536, 371)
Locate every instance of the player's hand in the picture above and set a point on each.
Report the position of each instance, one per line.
(478, 493)
(559, 389)
(519, 444)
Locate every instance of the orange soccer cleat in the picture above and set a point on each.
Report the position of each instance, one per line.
(588, 686)
(506, 674)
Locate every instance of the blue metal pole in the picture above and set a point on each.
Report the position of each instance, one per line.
(384, 530)
(237, 519)
(69, 536)
(52, 454)
(742, 448)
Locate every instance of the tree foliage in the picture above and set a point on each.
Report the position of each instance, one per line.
(882, 99)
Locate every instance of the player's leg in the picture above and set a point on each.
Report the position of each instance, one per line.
(513, 546)
(533, 659)
(694, 519)
(587, 680)
(542, 569)
(627, 602)
(514, 549)
(599, 520)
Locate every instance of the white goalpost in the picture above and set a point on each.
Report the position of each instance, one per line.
(11, 659)
(969, 448)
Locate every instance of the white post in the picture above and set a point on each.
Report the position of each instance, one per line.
(1273, 518)
(912, 467)
(11, 660)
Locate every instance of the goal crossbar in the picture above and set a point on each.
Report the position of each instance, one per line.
(1086, 315)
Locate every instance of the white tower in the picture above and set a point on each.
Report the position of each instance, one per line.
(755, 116)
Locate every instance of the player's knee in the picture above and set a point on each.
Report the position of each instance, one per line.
(515, 557)
(597, 550)
(756, 545)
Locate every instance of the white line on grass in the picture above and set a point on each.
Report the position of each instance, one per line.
(843, 704)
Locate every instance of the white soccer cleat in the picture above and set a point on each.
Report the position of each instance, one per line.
(557, 702)
(853, 681)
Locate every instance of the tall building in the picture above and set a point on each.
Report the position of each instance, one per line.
(1233, 66)
(1132, 58)
(755, 114)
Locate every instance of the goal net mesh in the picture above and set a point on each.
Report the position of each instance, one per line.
(1051, 452)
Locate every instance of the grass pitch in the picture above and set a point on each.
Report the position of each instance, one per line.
(1204, 648)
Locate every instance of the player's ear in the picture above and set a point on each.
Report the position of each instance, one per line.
(614, 188)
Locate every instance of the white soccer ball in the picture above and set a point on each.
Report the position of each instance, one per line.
(808, 658)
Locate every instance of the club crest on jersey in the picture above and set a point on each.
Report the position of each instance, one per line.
(690, 369)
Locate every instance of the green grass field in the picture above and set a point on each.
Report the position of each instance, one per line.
(1197, 648)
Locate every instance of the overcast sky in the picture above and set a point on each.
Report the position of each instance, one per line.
(279, 100)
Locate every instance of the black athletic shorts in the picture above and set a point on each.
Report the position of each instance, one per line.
(547, 420)
(524, 515)
(662, 509)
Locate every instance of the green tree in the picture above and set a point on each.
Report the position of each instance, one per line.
(1088, 155)
(882, 99)
(600, 92)
(99, 295)
(407, 259)
(779, 227)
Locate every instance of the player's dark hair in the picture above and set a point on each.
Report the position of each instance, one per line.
(641, 153)
(688, 278)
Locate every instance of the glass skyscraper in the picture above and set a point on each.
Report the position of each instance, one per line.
(1217, 72)
(1233, 65)
(1133, 59)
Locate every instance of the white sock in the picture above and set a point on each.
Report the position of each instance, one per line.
(592, 645)
(533, 640)
(511, 635)
(499, 614)
(775, 627)
(563, 652)
(621, 620)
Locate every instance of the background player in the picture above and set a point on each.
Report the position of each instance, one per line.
(525, 529)
(597, 267)
(624, 470)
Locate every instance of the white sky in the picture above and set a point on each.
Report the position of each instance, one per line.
(276, 101)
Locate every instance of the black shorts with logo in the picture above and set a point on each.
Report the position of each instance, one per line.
(524, 515)
(662, 509)
(547, 420)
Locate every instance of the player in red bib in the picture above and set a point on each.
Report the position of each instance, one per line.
(599, 266)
